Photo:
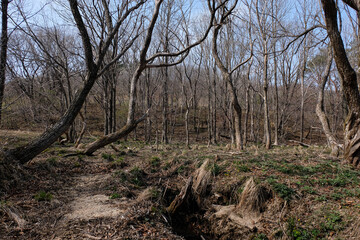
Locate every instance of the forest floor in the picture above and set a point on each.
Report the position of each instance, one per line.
(122, 193)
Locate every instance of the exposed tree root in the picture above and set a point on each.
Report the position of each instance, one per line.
(245, 214)
(241, 217)
(181, 201)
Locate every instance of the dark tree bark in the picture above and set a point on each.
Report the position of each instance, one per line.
(349, 81)
(3, 49)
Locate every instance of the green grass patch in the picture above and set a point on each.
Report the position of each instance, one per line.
(43, 196)
(215, 169)
(107, 156)
(115, 196)
(241, 167)
(282, 190)
(137, 176)
(155, 162)
(52, 161)
(118, 162)
(309, 190)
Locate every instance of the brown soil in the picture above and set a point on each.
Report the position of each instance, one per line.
(123, 194)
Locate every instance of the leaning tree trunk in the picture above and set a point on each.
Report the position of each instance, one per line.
(321, 112)
(226, 73)
(131, 122)
(3, 49)
(349, 82)
(25, 153)
(124, 131)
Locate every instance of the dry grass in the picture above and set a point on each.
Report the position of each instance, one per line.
(253, 198)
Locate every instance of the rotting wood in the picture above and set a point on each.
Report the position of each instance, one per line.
(181, 198)
(201, 182)
(193, 193)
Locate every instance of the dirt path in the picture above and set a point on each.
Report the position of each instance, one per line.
(81, 206)
(85, 205)
(88, 204)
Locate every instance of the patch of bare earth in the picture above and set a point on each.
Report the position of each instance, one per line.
(85, 206)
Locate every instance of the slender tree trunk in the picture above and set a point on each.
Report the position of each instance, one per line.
(165, 106)
(302, 89)
(267, 130)
(214, 112)
(148, 105)
(252, 116)
(3, 50)
(210, 109)
(321, 112)
(276, 131)
(247, 111)
(237, 113)
(247, 103)
(113, 108)
(187, 126)
(106, 107)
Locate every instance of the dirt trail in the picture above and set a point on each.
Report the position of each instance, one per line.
(85, 205)
(87, 202)
(81, 207)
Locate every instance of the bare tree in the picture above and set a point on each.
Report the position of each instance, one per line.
(320, 108)
(94, 69)
(227, 73)
(262, 13)
(348, 78)
(148, 62)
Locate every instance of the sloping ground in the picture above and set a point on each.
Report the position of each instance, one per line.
(123, 194)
